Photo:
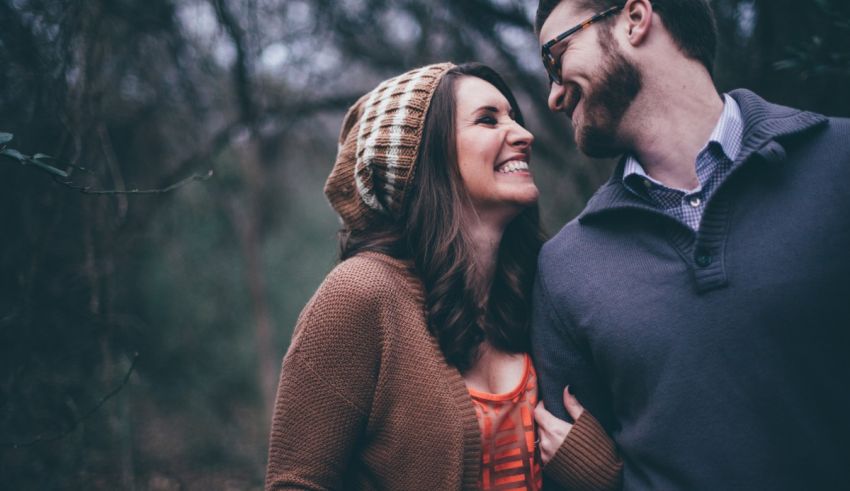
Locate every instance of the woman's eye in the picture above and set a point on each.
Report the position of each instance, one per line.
(487, 120)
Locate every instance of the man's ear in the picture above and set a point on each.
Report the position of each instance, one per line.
(638, 15)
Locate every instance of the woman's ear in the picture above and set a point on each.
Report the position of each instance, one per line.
(638, 20)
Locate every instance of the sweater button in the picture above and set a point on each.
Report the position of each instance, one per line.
(703, 259)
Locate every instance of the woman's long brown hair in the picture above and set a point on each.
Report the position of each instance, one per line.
(462, 309)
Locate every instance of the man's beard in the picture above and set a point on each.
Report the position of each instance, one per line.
(606, 102)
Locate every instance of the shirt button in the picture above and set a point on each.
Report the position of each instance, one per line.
(694, 201)
(703, 260)
(647, 183)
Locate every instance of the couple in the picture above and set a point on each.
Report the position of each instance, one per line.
(699, 307)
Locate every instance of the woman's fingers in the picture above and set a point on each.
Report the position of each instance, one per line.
(542, 416)
(574, 409)
(551, 431)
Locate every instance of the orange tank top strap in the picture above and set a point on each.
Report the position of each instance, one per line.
(510, 459)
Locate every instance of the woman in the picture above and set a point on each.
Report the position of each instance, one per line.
(408, 368)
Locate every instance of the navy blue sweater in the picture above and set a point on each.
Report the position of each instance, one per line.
(717, 359)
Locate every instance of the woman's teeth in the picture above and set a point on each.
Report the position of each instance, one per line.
(512, 166)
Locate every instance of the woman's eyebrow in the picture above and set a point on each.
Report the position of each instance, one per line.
(492, 109)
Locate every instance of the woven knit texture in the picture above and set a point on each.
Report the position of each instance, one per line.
(378, 146)
(366, 399)
(586, 462)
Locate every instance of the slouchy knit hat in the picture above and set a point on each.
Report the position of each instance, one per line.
(378, 147)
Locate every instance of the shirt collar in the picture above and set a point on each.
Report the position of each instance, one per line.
(728, 133)
(729, 129)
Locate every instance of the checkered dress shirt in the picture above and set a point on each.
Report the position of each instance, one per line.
(713, 163)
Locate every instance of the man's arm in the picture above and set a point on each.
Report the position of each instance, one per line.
(560, 361)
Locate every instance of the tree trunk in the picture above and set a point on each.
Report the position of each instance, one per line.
(245, 217)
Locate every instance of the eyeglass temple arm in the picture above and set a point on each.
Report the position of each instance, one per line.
(595, 18)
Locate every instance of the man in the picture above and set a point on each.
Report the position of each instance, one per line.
(699, 306)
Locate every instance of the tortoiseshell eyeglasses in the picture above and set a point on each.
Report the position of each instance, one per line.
(553, 63)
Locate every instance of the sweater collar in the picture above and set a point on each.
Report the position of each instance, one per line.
(765, 124)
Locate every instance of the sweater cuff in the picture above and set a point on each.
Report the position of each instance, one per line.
(587, 460)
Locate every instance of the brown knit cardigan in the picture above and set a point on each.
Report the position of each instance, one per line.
(366, 399)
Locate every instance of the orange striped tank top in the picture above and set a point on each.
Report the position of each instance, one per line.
(509, 457)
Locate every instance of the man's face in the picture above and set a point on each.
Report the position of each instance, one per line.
(600, 83)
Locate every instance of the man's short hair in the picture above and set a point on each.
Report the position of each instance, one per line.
(690, 23)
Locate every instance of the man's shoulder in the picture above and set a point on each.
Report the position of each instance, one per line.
(840, 127)
(561, 241)
(566, 250)
(803, 135)
(825, 148)
(836, 129)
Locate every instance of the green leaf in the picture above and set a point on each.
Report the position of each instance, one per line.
(5, 138)
(11, 152)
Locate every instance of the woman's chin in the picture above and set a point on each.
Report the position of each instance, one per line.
(519, 202)
(525, 194)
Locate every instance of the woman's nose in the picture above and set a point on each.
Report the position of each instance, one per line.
(520, 137)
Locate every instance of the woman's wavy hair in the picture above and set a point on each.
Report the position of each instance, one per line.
(432, 232)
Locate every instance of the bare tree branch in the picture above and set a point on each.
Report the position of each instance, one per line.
(85, 416)
(241, 72)
(167, 189)
(287, 112)
(40, 161)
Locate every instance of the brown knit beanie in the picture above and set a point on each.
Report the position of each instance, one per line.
(378, 146)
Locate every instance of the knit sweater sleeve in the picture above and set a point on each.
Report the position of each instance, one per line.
(587, 460)
(560, 358)
(327, 383)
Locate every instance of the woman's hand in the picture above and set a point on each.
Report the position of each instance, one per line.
(551, 430)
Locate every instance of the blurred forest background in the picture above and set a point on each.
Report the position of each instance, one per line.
(141, 332)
